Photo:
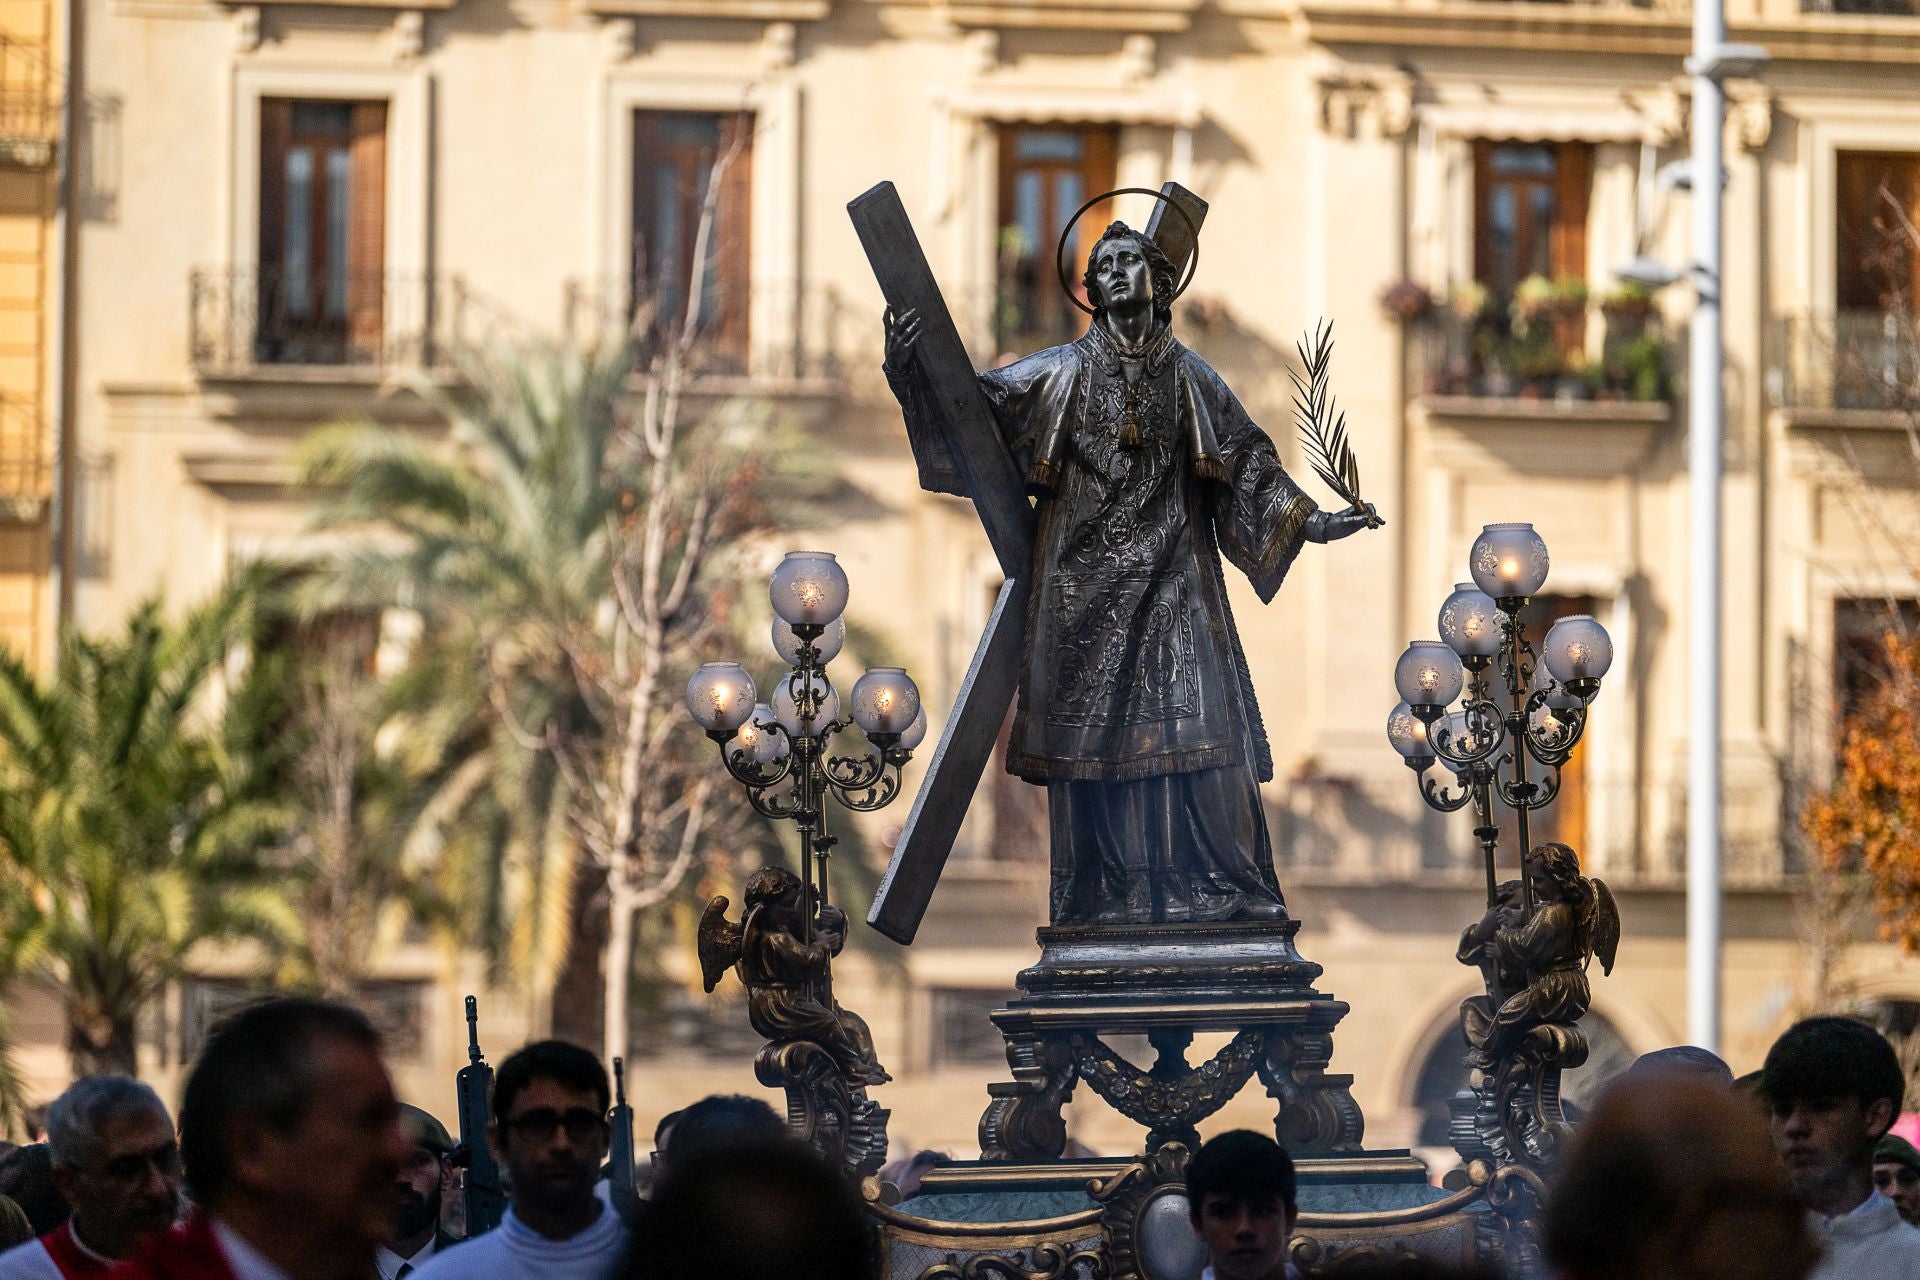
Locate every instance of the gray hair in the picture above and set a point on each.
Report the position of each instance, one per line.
(78, 1116)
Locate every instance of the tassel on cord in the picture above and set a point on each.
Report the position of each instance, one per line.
(1043, 477)
(1209, 467)
(1130, 435)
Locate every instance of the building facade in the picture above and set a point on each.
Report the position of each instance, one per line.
(292, 206)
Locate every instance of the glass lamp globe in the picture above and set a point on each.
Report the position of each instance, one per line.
(1508, 561)
(808, 588)
(885, 700)
(916, 732)
(828, 643)
(1407, 734)
(720, 696)
(1428, 675)
(1578, 648)
(788, 713)
(1470, 622)
(758, 742)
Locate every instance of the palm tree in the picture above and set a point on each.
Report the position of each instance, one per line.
(123, 844)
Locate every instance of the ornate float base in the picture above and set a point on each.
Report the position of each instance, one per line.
(1169, 982)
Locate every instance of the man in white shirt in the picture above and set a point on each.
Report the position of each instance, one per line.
(416, 1198)
(1241, 1199)
(117, 1162)
(1833, 1086)
(549, 1132)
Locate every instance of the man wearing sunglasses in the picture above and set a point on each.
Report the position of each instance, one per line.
(117, 1162)
(549, 1133)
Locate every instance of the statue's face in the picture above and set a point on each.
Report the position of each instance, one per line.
(1122, 275)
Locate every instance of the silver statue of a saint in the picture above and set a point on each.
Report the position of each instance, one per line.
(1135, 709)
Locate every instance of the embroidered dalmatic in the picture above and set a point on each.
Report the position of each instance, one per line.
(1135, 707)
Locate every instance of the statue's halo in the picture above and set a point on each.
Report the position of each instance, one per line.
(1060, 252)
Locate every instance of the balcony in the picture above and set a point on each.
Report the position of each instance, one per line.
(29, 104)
(1863, 8)
(256, 322)
(26, 466)
(1851, 366)
(1552, 342)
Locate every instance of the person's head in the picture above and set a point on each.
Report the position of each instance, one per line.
(549, 1126)
(1241, 1196)
(777, 890)
(1896, 1174)
(1682, 1060)
(756, 1211)
(417, 1191)
(723, 1120)
(1672, 1178)
(1126, 269)
(116, 1160)
(26, 1178)
(1832, 1087)
(289, 1117)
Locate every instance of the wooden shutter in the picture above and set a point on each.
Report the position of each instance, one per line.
(1572, 194)
(276, 136)
(1874, 260)
(367, 230)
(732, 234)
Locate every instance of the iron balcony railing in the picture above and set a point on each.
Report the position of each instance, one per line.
(26, 461)
(29, 103)
(1584, 352)
(1845, 360)
(249, 319)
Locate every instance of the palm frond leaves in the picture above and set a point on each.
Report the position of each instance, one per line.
(1323, 430)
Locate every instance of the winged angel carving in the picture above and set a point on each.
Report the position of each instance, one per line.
(784, 961)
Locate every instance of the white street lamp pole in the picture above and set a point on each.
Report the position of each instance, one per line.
(1705, 421)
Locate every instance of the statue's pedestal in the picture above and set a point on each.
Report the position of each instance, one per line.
(1169, 982)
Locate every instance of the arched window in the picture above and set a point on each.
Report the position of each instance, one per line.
(1443, 1073)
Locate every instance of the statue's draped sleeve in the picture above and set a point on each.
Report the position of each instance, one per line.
(1260, 516)
(1024, 398)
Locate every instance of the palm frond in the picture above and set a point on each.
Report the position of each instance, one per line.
(1323, 430)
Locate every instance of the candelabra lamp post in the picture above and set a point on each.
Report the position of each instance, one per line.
(789, 752)
(1521, 713)
(793, 755)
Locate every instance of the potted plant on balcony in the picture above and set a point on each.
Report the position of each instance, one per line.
(1533, 302)
(1643, 361)
(1407, 301)
(1470, 302)
(1628, 310)
(1568, 312)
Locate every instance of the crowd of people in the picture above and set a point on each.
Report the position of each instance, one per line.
(294, 1160)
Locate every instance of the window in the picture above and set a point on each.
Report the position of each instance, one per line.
(396, 1009)
(1530, 212)
(1875, 267)
(1046, 173)
(1860, 631)
(675, 154)
(319, 293)
(963, 1034)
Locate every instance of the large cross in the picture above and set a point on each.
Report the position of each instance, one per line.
(991, 478)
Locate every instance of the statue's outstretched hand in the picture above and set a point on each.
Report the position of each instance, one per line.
(1331, 526)
(903, 331)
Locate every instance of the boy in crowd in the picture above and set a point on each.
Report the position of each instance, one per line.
(1241, 1195)
(1833, 1087)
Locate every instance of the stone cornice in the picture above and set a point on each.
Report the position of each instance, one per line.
(1660, 31)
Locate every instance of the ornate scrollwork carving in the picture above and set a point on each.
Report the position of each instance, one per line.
(1172, 1098)
(1023, 1121)
(1317, 1110)
(1045, 1261)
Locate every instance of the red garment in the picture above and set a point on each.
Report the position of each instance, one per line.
(73, 1261)
(188, 1252)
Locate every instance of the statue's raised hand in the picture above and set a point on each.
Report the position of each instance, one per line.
(1331, 526)
(903, 331)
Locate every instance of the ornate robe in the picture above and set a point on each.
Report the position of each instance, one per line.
(1135, 708)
